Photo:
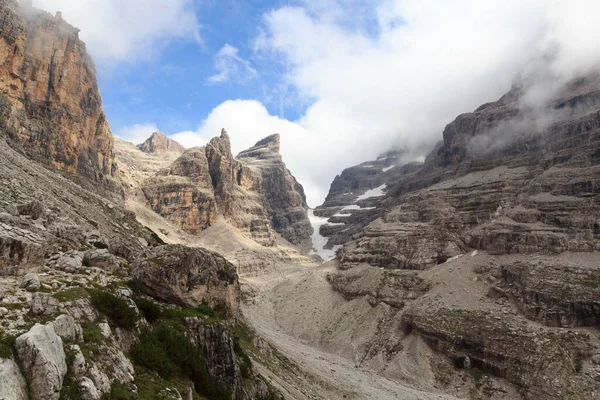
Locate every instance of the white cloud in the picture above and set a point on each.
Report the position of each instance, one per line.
(137, 133)
(405, 69)
(131, 30)
(231, 67)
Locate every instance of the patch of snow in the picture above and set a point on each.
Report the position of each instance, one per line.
(318, 241)
(377, 192)
(454, 258)
(386, 169)
(336, 223)
(368, 166)
(342, 215)
(473, 254)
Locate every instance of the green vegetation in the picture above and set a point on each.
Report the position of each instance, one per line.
(178, 315)
(578, 367)
(5, 350)
(167, 351)
(92, 333)
(70, 388)
(71, 294)
(149, 308)
(115, 308)
(120, 392)
(157, 261)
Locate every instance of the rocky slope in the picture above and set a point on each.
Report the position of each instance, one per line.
(50, 105)
(255, 191)
(160, 143)
(487, 253)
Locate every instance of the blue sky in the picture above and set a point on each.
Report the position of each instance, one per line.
(174, 89)
(357, 77)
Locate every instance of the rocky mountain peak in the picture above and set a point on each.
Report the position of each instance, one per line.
(271, 142)
(160, 143)
(50, 104)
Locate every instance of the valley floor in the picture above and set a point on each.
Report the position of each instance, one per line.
(315, 374)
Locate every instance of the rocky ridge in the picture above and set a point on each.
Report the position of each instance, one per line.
(488, 251)
(160, 143)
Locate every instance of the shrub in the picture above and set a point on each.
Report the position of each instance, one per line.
(578, 367)
(120, 392)
(150, 309)
(116, 309)
(168, 352)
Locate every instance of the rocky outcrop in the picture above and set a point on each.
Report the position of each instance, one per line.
(282, 196)
(189, 276)
(255, 192)
(184, 193)
(529, 358)
(51, 104)
(11, 381)
(41, 352)
(160, 143)
(518, 186)
(216, 344)
(552, 291)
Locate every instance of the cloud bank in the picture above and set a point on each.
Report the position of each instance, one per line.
(376, 74)
(117, 31)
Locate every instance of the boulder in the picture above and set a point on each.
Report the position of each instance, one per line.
(31, 282)
(188, 276)
(88, 390)
(12, 383)
(41, 353)
(66, 327)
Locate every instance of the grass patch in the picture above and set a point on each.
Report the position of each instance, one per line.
(92, 333)
(71, 294)
(120, 392)
(168, 352)
(178, 315)
(578, 367)
(115, 308)
(5, 351)
(157, 261)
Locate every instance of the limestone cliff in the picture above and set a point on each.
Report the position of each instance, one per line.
(160, 143)
(255, 191)
(486, 249)
(50, 105)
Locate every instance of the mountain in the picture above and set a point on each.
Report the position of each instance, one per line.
(160, 143)
(482, 253)
(94, 304)
(50, 106)
(255, 191)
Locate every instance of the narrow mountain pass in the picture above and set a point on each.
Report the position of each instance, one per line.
(314, 374)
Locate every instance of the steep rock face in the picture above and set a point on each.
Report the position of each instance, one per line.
(255, 191)
(160, 143)
(189, 276)
(184, 193)
(216, 345)
(41, 352)
(501, 224)
(283, 197)
(503, 182)
(51, 106)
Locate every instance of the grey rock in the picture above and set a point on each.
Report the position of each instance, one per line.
(88, 390)
(78, 366)
(41, 352)
(44, 304)
(66, 327)
(31, 282)
(188, 276)
(12, 383)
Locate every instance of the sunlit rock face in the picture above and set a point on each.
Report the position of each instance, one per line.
(50, 105)
(253, 191)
